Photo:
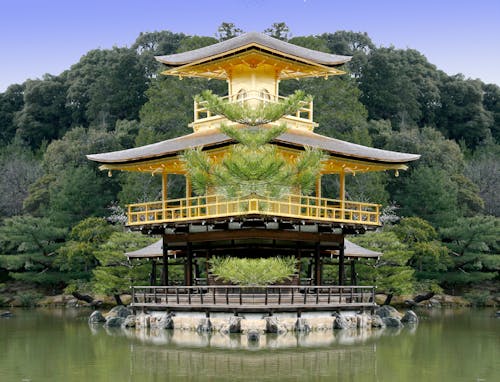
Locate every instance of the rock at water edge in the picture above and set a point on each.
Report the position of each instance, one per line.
(341, 322)
(388, 311)
(129, 322)
(392, 322)
(377, 321)
(410, 318)
(96, 317)
(302, 325)
(114, 322)
(204, 326)
(119, 311)
(162, 321)
(234, 324)
(274, 326)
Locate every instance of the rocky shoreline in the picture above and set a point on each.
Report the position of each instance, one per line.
(253, 325)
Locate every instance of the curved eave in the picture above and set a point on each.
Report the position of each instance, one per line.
(295, 138)
(258, 40)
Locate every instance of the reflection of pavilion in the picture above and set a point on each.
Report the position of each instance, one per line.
(311, 228)
(275, 358)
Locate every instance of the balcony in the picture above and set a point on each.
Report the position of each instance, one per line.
(203, 119)
(295, 207)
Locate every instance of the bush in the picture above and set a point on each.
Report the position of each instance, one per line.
(478, 297)
(29, 299)
(253, 272)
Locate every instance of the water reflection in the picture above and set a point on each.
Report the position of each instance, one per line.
(52, 346)
(193, 339)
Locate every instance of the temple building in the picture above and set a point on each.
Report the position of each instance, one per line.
(196, 227)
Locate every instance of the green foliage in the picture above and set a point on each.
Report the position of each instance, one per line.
(99, 93)
(253, 272)
(79, 193)
(278, 30)
(115, 274)
(430, 194)
(11, 101)
(253, 166)
(29, 299)
(478, 297)
(264, 112)
(44, 115)
(462, 114)
(225, 31)
(474, 244)
(78, 254)
(400, 85)
(390, 274)
(29, 246)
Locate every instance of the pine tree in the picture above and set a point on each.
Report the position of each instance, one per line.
(253, 166)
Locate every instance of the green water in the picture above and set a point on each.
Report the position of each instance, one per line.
(58, 345)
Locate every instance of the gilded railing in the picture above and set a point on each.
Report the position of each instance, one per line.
(290, 206)
(303, 114)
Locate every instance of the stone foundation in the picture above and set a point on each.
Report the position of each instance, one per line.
(253, 325)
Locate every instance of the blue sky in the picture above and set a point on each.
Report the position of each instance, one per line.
(38, 37)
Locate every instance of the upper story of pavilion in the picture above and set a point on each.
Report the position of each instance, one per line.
(253, 65)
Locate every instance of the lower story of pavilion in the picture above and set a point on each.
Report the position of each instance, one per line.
(192, 252)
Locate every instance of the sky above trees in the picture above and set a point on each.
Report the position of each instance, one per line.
(48, 37)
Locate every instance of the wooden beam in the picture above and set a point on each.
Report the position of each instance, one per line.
(255, 234)
(354, 278)
(318, 187)
(164, 187)
(152, 276)
(188, 270)
(342, 264)
(164, 272)
(317, 265)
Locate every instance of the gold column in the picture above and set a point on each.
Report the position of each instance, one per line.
(342, 194)
(164, 187)
(318, 187)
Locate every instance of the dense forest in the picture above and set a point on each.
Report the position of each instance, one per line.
(61, 219)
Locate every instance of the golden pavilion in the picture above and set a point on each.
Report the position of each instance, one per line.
(202, 226)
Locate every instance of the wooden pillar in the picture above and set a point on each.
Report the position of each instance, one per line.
(196, 270)
(188, 269)
(164, 187)
(188, 187)
(341, 263)
(317, 265)
(342, 185)
(342, 193)
(152, 275)
(309, 269)
(354, 279)
(299, 259)
(164, 273)
(318, 187)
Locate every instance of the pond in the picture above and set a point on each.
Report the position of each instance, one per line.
(58, 345)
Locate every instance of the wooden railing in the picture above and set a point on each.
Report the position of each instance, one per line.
(290, 206)
(272, 298)
(304, 114)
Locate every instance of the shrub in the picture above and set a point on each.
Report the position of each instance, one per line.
(253, 272)
(29, 299)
